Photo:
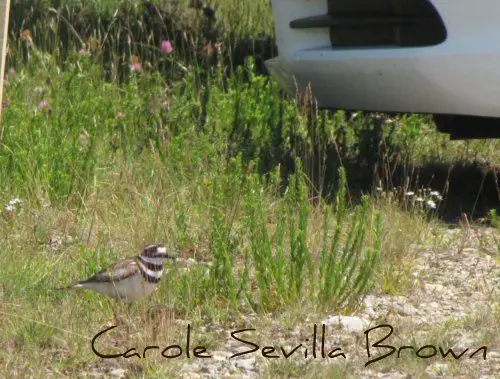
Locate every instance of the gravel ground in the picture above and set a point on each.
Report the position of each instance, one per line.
(450, 305)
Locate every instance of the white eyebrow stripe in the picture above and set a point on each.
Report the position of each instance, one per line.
(161, 249)
(155, 261)
(147, 271)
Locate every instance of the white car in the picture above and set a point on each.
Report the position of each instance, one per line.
(413, 56)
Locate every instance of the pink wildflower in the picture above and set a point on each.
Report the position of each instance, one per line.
(166, 47)
(136, 64)
(83, 139)
(43, 104)
(136, 67)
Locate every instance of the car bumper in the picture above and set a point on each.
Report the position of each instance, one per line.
(459, 76)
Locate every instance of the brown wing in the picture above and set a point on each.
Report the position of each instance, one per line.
(118, 271)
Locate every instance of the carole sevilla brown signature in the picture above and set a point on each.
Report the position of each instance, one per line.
(377, 349)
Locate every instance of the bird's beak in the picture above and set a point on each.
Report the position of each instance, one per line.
(165, 255)
(161, 252)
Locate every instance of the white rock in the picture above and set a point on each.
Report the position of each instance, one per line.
(246, 364)
(190, 367)
(405, 309)
(438, 368)
(370, 312)
(434, 288)
(219, 355)
(191, 375)
(118, 373)
(349, 323)
(369, 300)
(493, 355)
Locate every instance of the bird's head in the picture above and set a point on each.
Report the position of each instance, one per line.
(157, 251)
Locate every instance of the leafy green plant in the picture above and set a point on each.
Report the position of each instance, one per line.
(346, 269)
(495, 218)
(284, 271)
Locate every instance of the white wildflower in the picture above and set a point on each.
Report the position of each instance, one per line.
(12, 205)
(14, 202)
(431, 204)
(411, 193)
(437, 195)
(419, 199)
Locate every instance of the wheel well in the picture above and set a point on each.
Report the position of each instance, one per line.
(468, 127)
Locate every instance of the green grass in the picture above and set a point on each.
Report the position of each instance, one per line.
(104, 185)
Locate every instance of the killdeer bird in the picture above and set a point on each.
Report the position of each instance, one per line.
(129, 279)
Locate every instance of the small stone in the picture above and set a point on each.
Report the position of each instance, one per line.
(118, 373)
(219, 355)
(434, 288)
(349, 323)
(405, 309)
(191, 375)
(438, 368)
(246, 364)
(494, 356)
(391, 375)
(369, 301)
(370, 312)
(190, 367)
